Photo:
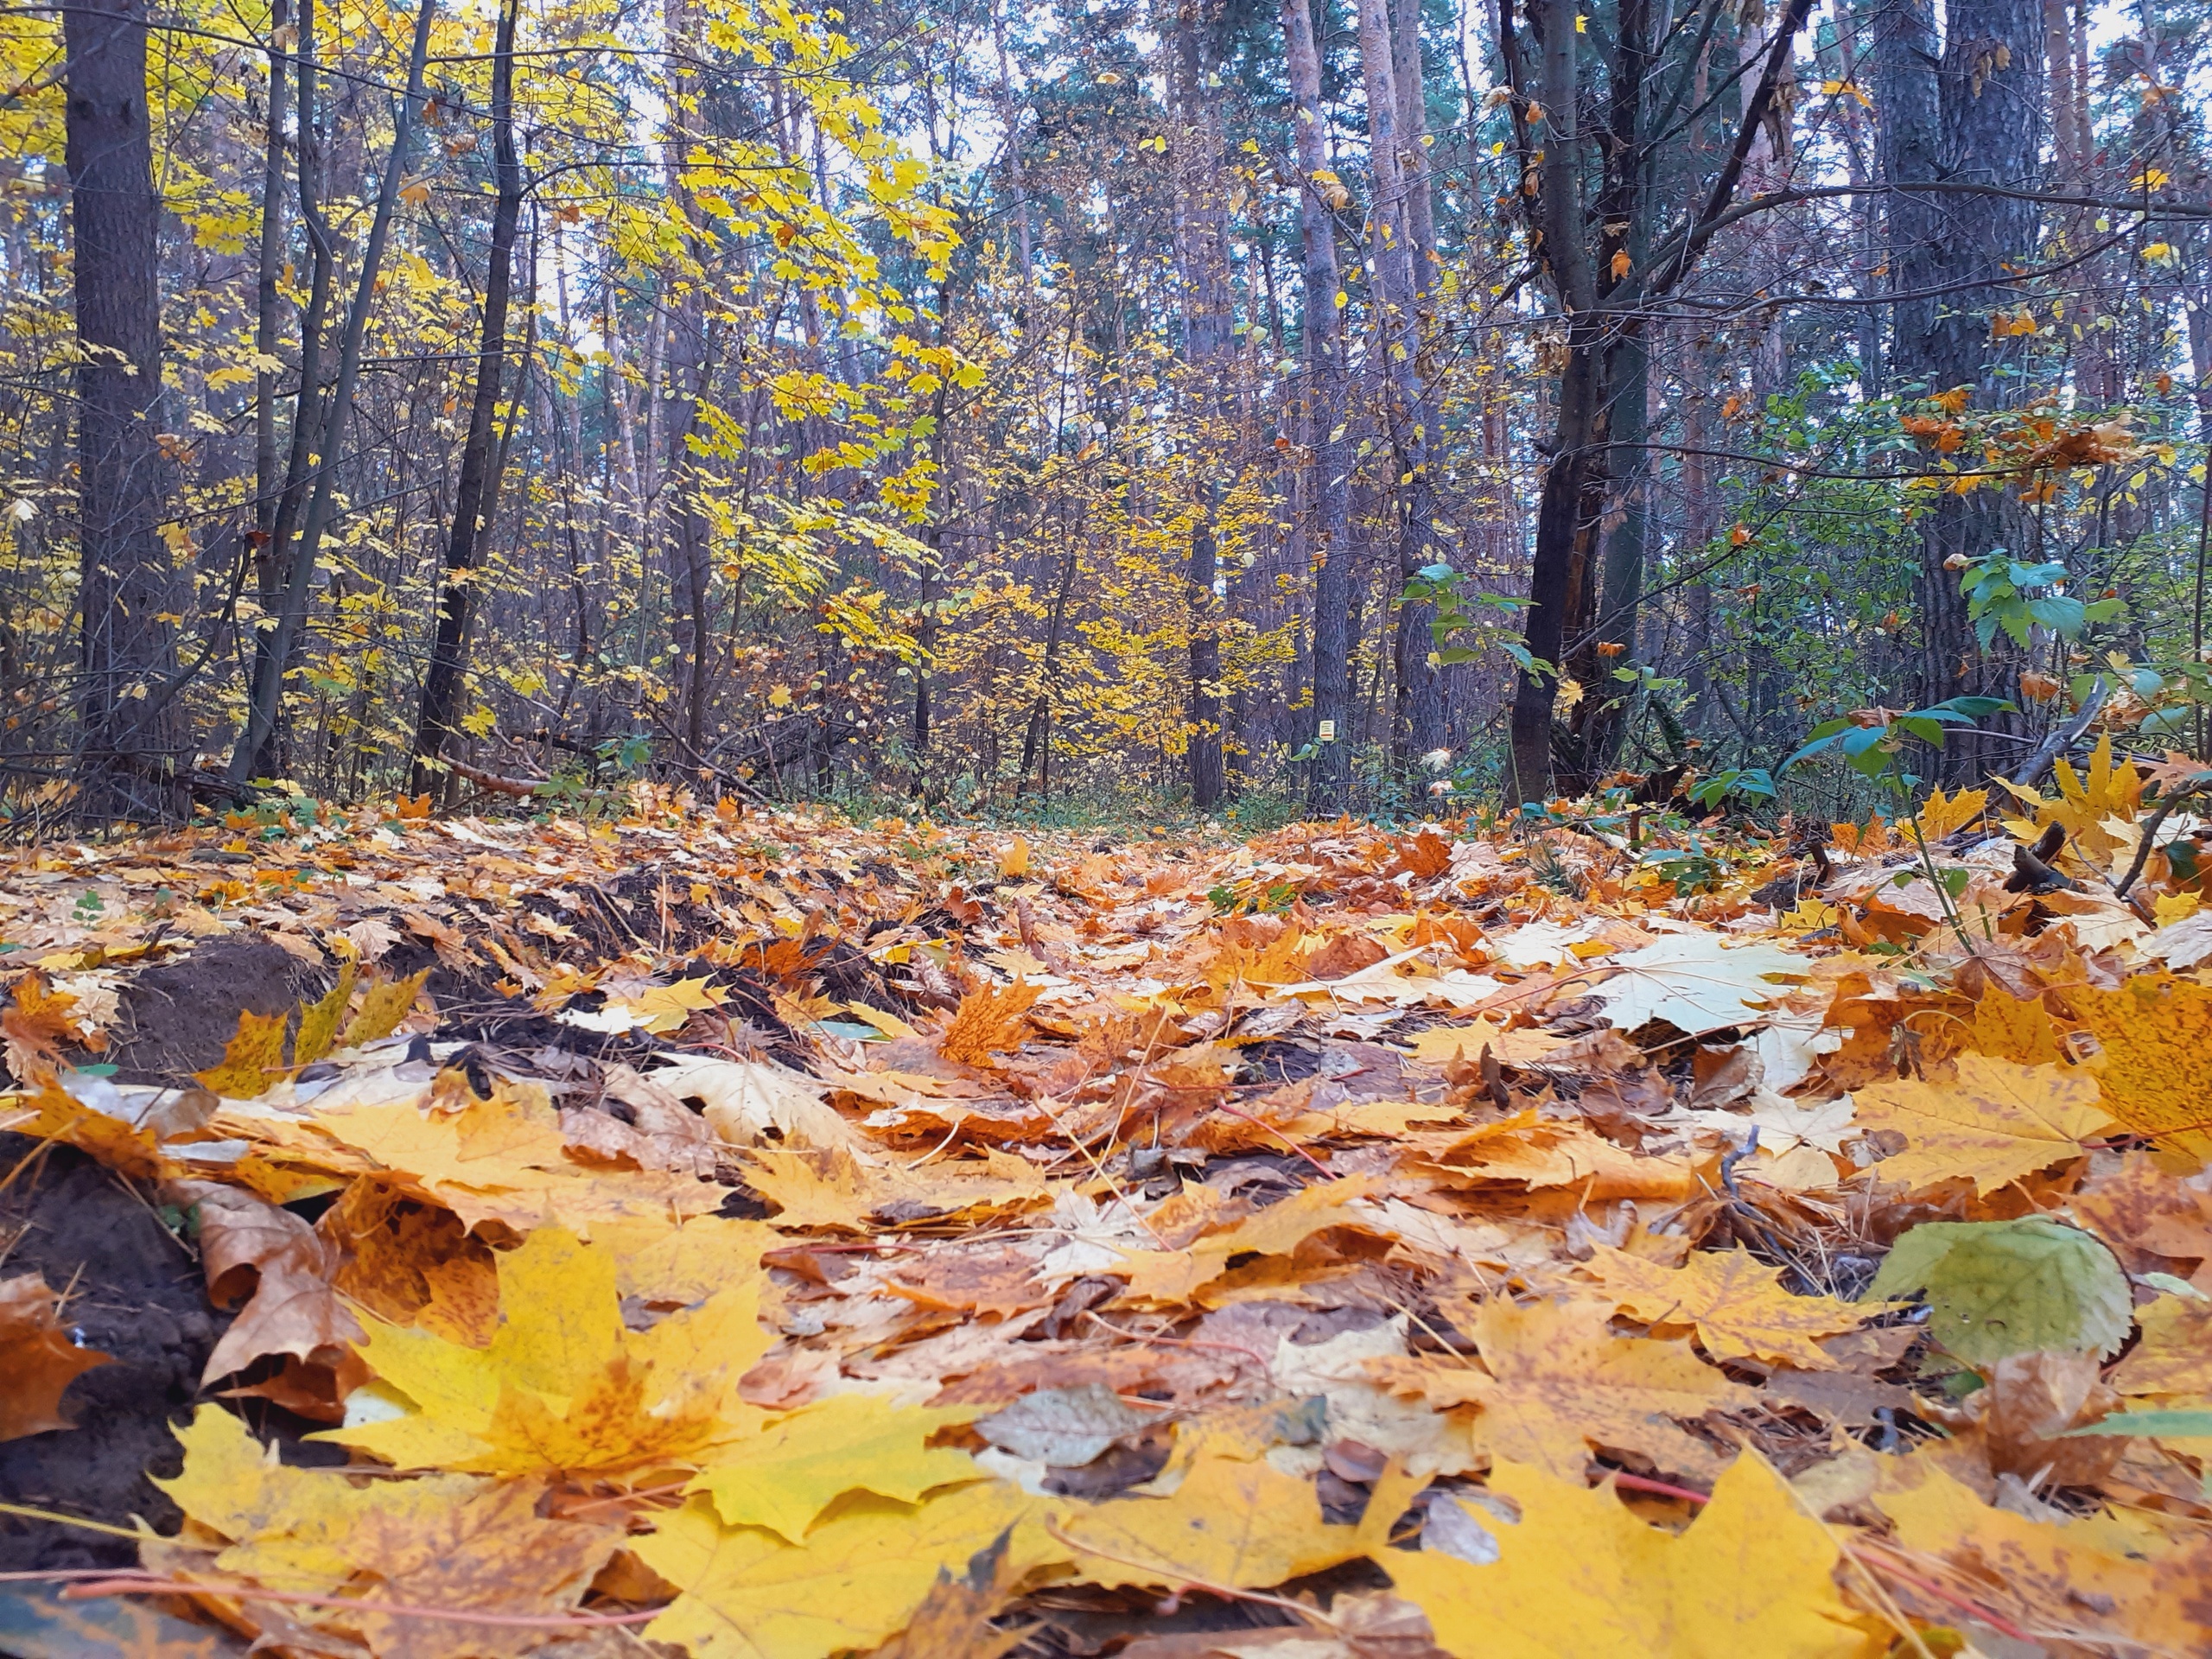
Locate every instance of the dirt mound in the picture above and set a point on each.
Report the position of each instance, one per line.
(136, 1293)
(176, 1017)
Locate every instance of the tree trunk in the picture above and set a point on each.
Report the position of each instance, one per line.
(1202, 253)
(476, 499)
(131, 746)
(1974, 115)
(1419, 725)
(329, 444)
(1334, 607)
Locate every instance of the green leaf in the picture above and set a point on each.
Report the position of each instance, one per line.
(2003, 1288)
(2152, 1425)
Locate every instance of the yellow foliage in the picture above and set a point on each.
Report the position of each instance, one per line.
(1580, 1574)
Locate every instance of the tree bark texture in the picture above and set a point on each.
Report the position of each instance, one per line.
(1974, 115)
(476, 498)
(1334, 605)
(130, 747)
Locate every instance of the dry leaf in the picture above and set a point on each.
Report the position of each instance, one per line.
(39, 1358)
(1737, 1304)
(1992, 1120)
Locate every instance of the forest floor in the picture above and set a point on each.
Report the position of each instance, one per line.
(759, 1234)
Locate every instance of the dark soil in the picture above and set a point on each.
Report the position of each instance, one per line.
(177, 1017)
(135, 1293)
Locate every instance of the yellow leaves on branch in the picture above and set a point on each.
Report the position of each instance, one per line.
(1580, 1575)
(1993, 1121)
(1736, 1305)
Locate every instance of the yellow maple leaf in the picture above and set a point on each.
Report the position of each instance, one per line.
(1558, 1384)
(1940, 816)
(664, 1008)
(2034, 1568)
(1278, 1230)
(1581, 1575)
(2106, 789)
(1992, 1120)
(1441, 1045)
(1013, 862)
(857, 1579)
(320, 1020)
(459, 1542)
(834, 1190)
(564, 1386)
(988, 1018)
(1232, 1522)
(252, 1059)
(57, 1115)
(786, 1475)
(383, 1005)
(2156, 1032)
(1736, 1302)
(2174, 1356)
(2010, 1028)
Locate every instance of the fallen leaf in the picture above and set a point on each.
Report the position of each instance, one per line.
(787, 1473)
(39, 1358)
(859, 1577)
(253, 1059)
(1737, 1304)
(1067, 1428)
(1229, 1522)
(2002, 1288)
(1581, 1575)
(2173, 1356)
(1695, 983)
(749, 1101)
(564, 1388)
(1557, 1384)
(988, 1020)
(285, 1272)
(1993, 1119)
(2156, 1035)
(453, 1542)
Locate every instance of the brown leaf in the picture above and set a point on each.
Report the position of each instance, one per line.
(38, 1361)
(989, 1020)
(252, 1249)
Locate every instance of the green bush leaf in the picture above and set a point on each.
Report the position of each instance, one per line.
(2003, 1288)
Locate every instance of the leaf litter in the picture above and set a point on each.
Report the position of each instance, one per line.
(760, 1234)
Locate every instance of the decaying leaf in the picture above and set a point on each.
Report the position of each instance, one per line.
(1555, 1384)
(39, 1358)
(1992, 1120)
(1737, 1304)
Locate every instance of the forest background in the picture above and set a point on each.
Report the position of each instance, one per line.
(1345, 405)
